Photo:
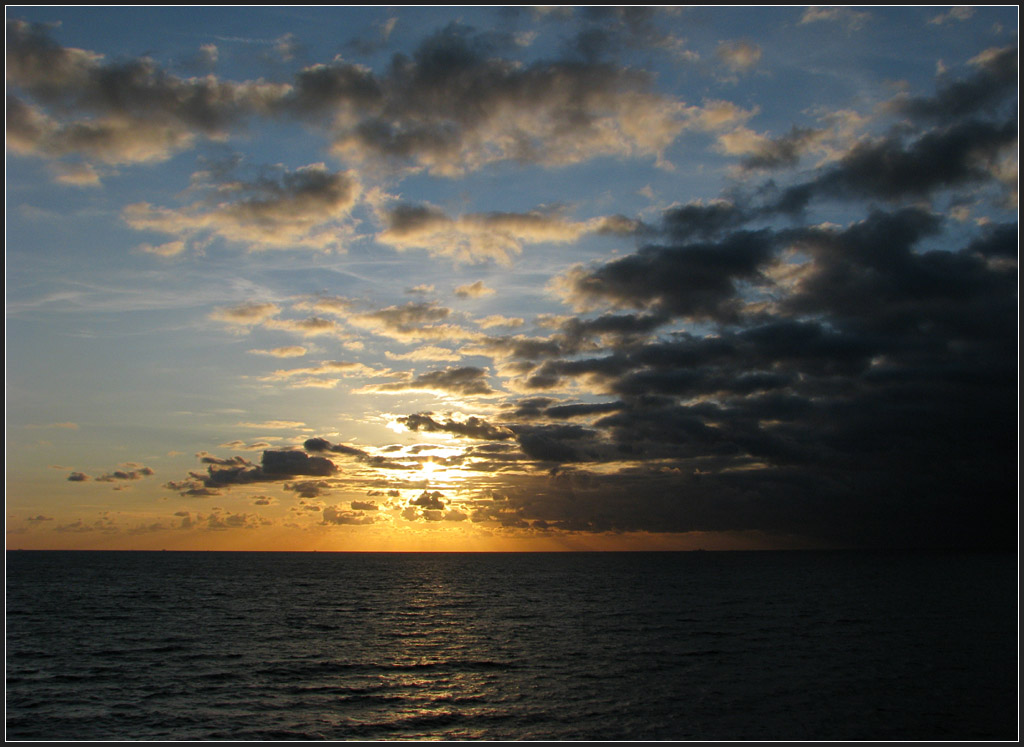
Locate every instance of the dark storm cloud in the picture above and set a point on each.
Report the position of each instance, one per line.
(614, 330)
(873, 276)
(466, 381)
(557, 443)
(702, 221)
(852, 383)
(472, 427)
(952, 139)
(998, 241)
(782, 152)
(78, 477)
(891, 168)
(581, 410)
(990, 87)
(529, 408)
(296, 463)
(866, 404)
(698, 281)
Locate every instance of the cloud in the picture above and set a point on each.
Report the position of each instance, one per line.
(222, 521)
(429, 501)
(780, 152)
(318, 445)
(467, 381)
(411, 323)
(313, 326)
(425, 353)
(289, 351)
(829, 355)
(60, 426)
(497, 320)
(959, 13)
(257, 446)
(167, 249)
(296, 463)
(309, 488)
(852, 19)
(76, 174)
(890, 168)
(346, 369)
(989, 88)
(696, 281)
(129, 471)
(474, 290)
(471, 427)
(274, 425)
(739, 56)
(337, 515)
(125, 474)
(287, 209)
(455, 106)
(209, 54)
(246, 314)
(604, 31)
(477, 237)
(845, 389)
(276, 466)
(128, 111)
(956, 138)
(372, 44)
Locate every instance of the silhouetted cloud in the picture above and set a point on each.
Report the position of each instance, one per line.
(275, 466)
(471, 427)
(698, 281)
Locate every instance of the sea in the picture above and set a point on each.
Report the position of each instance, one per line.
(715, 646)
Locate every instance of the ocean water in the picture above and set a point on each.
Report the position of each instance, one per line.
(634, 646)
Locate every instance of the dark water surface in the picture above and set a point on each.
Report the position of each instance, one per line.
(749, 645)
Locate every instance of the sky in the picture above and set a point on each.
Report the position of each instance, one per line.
(427, 278)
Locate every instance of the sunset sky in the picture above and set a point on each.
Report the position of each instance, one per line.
(511, 279)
